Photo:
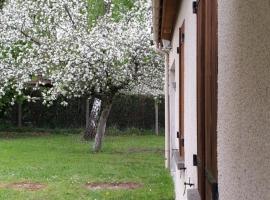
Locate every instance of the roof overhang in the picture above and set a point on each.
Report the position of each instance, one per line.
(164, 18)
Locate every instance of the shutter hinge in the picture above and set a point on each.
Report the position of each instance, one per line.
(195, 7)
(199, 162)
(178, 134)
(182, 141)
(182, 38)
(195, 160)
(178, 50)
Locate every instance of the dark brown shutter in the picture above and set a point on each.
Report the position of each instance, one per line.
(200, 97)
(181, 90)
(207, 98)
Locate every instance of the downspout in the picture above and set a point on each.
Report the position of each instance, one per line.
(165, 52)
(167, 113)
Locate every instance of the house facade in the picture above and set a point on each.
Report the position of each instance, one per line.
(217, 95)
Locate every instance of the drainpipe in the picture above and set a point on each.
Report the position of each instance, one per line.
(165, 53)
(167, 113)
(156, 8)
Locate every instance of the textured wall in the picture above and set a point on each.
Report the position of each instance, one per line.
(190, 123)
(244, 99)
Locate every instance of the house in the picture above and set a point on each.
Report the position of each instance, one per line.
(217, 95)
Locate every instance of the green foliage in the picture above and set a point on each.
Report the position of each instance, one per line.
(64, 164)
(15, 50)
(2, 3)
(96, 8)
(121, 6)
(5, 100)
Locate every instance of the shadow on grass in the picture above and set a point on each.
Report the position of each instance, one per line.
(18, 135)
(26, 132)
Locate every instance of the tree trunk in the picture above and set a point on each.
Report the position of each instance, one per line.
(91, 124)
(102, 127)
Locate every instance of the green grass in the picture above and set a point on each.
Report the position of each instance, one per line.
(64, 163)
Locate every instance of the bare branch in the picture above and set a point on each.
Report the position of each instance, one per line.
(69, 15)
(27, 35)
(31, 38)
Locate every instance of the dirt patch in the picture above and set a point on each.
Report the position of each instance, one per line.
(26, 186)
(113, 186)
(2, 185)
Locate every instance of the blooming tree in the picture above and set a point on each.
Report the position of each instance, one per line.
(52, 39)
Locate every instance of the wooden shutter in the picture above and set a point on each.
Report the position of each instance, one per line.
(181, 90)
(200, 97)
(207, 98)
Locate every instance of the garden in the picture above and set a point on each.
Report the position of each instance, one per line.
(81, 101)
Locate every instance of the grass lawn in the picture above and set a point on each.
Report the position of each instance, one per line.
(64, 164)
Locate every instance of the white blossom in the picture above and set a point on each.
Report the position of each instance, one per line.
(53, 39)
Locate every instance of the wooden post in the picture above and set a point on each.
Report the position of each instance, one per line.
(19, 114)
(156, 116)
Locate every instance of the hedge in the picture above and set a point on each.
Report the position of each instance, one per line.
(127, 111)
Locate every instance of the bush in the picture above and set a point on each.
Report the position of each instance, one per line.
(115, 131)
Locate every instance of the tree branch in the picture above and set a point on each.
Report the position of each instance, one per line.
(31, 38)
(26, 34)
(69, 15)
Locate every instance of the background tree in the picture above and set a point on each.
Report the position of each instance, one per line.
(96, 9)
(113, 56)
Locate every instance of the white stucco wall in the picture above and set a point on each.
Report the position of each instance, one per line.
(244, 99)
(190, 124)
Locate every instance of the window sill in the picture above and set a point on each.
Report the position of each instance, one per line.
(180, 162)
